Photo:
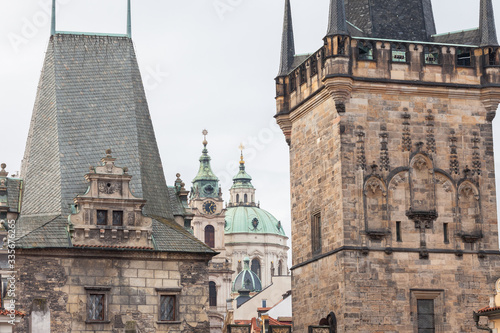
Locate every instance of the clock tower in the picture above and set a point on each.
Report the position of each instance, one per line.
(208, 225)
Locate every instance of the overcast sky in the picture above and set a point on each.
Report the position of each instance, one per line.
(206, 64)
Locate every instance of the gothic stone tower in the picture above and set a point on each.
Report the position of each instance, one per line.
(394, 225)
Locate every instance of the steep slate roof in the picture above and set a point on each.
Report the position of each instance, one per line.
(90, 98)
(287, 42)
(464, 37)
(175, 201)
(392, 19)
(487, 24)
(337, 24)
(13, 193)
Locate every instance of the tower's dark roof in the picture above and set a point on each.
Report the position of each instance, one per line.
(487, 26)
(287, 42)
(90, 98)
(392, 19)
(337, 24)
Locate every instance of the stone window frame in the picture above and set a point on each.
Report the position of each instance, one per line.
(175, 292)
(214, 296)
(316, 232)
(96, 291)
(96, 211)
(113, 217)
(438, 296)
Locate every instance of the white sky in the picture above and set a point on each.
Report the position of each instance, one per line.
(202, 69)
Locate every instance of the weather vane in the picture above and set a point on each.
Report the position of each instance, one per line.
(205, 132)
(241, 147)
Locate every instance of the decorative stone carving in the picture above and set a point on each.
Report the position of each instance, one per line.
(110, 187)
(360, 147)
(384, 150)
(454, 164)
(476, 156)
(431, 141)
(406, 144)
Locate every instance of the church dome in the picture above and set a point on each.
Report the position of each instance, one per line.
(247, 280)
(248, 219)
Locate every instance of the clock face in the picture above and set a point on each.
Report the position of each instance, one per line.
(209, 207)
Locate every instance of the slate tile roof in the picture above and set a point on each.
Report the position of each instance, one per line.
(175, 201)
(90, 98)
(13, 193)
(465, 37)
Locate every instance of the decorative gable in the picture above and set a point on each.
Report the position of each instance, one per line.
(108, 214)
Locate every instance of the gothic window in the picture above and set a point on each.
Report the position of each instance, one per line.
(245, 198)
(314, 65)
(375, 196)
(256, 267)
(463, 57)
(210, 236)
(302, 73)
(117, 218)
(280, 268)
(399, 53)
(293, 82)
(398, 232)
(445, 233)
(212, 293)
(102, 217)
(431, 55)
(425, 310)
(316, 233)
(365, 50)
(168, 308)
(97, 303)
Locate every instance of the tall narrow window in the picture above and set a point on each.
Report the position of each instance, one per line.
(445, 233)
(280, 268)
(245, 198)
(256, 267)
(117, 218)
(398, 232)
(210, 236)
(237, 198)
(425, 311)
(316, 233)
(167, 308)
(212, 293)
(102, 217)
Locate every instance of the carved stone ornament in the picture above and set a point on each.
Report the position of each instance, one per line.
(467, 191)
(374, 185)
(110, 187)
(420, 163)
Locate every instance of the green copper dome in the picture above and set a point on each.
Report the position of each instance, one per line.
(242, 179)
(247, 280)
(245, 219)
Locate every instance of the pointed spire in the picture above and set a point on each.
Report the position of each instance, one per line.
(487, 26)
(287, 42)
(53, 19)
(129, 19)
(205, 172)
(242, 179)
(337, 23)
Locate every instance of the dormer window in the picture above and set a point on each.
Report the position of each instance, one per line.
(102, 217)
(118, 218)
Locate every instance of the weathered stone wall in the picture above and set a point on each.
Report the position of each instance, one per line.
(133, 297)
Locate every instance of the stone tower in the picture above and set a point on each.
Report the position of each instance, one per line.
(207, 207)
(394, 224)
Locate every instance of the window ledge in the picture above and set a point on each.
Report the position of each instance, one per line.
(169, 322)
(98, 322)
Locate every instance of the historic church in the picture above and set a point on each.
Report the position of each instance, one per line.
(394, 218)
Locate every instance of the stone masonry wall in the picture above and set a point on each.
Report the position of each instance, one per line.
(133, 297)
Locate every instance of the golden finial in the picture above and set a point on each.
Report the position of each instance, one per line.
(241, 147)
(205, 133)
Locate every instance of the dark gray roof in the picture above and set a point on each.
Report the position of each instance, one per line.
(90, 98)
(13, 192)
(175, 201)
(465, 37)
(392, 19)
(487, 24)
(287, 42)
(337, 24)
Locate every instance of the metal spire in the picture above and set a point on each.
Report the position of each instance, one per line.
(53, 20)
(487, 26)
(287, 42)
(337, 23)
(129, 19)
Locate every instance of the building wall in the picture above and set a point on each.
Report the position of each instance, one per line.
(373, 143)
(135, 281)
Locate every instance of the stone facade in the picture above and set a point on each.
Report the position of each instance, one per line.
(393, 184)
(132, 281)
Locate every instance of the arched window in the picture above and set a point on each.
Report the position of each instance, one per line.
(212, 293)
(245, 198)
(256, 267)
(280, 268)
(237, 198)
(210, 236)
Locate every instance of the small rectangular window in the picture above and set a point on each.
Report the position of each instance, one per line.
(463, 57)
(102, 217)
(425, 310)
(445, 233)
(398, 232)
(264, 303)
(118, 217)
(316, 233)
(96, 307)
(167, 308)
